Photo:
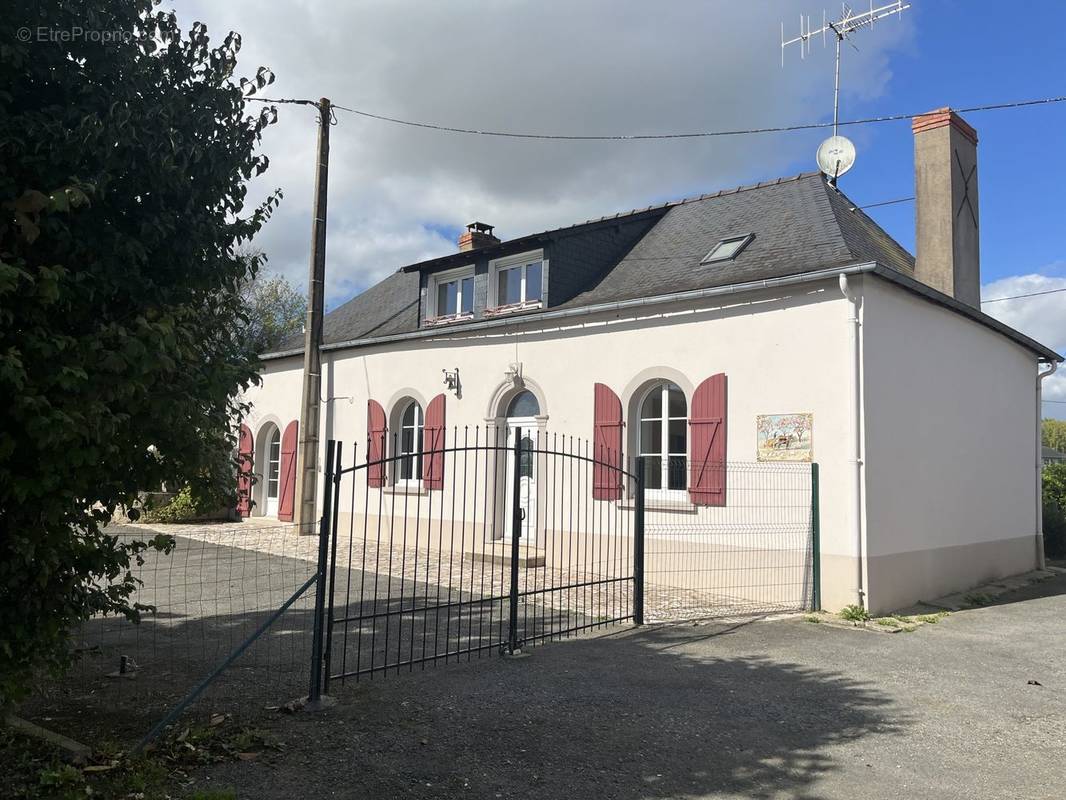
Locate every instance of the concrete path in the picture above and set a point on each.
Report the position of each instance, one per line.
(971, 707)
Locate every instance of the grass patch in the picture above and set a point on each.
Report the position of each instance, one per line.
(813, 619)
(932, 619)
(888, 622)
(854, 613)
(977, 599)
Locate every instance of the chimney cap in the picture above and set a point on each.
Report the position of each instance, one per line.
(480, 227)
(941, 117)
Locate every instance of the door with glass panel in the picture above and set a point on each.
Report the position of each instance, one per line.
(273, 473)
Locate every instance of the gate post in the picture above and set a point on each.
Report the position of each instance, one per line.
(638, 548)
(516, 527)
(335, 508)
(314, 692)
(816, 542)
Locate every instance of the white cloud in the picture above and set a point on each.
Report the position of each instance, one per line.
(599, 66)
(1042, 317)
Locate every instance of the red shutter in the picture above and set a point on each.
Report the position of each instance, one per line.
(244, 471)
(433, 444)
(375, 451)
(607, 444)
(287, 469)
(707, 437)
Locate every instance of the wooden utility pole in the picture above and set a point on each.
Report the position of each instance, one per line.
(307, 457)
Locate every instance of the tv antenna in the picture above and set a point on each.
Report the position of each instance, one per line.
(836, 155)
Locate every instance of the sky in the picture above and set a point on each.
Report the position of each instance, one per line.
(398, 195)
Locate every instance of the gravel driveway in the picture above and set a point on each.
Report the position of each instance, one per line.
(763, 709)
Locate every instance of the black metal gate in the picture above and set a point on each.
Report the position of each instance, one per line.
(490, 543)
(503, 538)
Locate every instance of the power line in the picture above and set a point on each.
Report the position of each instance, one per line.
(883, 203)
(1020, 296)
(1056, 401)
(648, 136)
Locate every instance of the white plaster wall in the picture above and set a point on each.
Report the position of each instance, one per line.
(784, 351)
(950, 432)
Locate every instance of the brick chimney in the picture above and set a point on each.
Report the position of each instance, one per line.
(946, 211)
(478, 234)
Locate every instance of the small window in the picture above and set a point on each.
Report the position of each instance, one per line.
(517, 281)
(452, 296)
(727, 249)
(524, 404)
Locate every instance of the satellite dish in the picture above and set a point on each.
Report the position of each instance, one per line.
(836, 155)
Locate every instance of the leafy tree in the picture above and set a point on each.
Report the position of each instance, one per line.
(1055, 483)
(123, 169)
(1054, 434)
(275, 310)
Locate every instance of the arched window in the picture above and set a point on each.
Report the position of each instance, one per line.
(273, 472)
(523, 404)
(410, 444)
(663, 438)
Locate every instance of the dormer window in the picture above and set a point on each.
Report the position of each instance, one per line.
(728, 249)
(516, 282)
(451, 296)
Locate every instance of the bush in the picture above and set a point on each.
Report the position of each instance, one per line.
(1054, 480)
(1054, 529)
(186, 506)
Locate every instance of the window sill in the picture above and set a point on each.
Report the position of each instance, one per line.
(513, 308)
(405, 489)
(658, 504)
(448, 319)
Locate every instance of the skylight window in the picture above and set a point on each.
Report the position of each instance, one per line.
(727, 249)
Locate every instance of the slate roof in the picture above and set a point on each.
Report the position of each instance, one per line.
(800, 225)
(1051, 454)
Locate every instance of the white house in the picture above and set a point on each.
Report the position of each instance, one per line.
(780, 298)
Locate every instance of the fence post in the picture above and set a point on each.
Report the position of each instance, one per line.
(516, 528)
(816, 542)
(638, 548)
(335, 507)
(314, 692)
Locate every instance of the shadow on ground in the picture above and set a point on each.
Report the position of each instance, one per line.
(636, 714)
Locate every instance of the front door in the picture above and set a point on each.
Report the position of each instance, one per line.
(527, 480)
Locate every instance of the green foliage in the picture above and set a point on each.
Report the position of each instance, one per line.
(854, 613)
(1054, 480)
(1054, 434)
(1054, 530)
(275, 310)
(186, 506)
(123, 176)
(1054, 500)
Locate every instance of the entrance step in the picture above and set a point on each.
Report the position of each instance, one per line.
(528, 557)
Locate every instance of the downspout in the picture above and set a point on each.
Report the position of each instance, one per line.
(856, 434)
(1054, 365)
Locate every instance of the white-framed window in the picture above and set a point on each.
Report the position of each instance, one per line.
(409, 445)
(662, 440)
(516, 282)
(451, 295)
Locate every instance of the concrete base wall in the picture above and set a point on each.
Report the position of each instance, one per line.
(901, 579)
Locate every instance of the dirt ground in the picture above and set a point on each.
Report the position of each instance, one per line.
(971, 707)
